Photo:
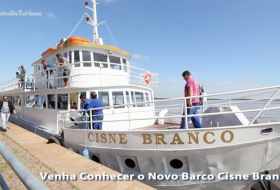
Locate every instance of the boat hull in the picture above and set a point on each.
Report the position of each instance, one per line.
(211, 152)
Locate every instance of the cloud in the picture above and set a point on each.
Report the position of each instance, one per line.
(108, 1)
(50, 15)
(139, 57)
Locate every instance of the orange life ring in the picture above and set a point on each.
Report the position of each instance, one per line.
(148, 78)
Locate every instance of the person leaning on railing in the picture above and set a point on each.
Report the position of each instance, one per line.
(84, 106)
(22, 75)
(62, 62)
(6, 108)
(97, 114)
(191, 89)
(49, 71)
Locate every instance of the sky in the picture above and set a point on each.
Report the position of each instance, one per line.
(226, 44)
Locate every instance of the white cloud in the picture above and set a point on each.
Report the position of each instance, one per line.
(139, 57)
(50, 15)
(108, 1)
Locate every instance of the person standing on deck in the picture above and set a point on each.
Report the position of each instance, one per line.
(62, 62)
(97, 114)
(84, 102)
(6, 108)
(191, 89)
(49, 71)
(22, 76)
(85, 106)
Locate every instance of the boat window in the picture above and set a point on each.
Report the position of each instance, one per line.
(148, 98)
(70, 56)
(77, 59)
(127, 98)
(62, 101)
(18, 101)
(82, 94)
(53, 62)
(31, 100)
(100, 57)
(114, 59)
(115, 66)
(96, 64)
(104, 65)
(41, 102)
(133, 98)
(13, 99)
(118, 99)
(86, 58)
(51, 101)
(124, 65)
(74, 101)
(104, 98)
(65, 55)
(139, 98)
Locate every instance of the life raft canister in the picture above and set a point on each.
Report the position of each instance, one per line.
(148, 78)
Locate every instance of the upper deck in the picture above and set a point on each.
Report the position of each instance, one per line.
(90, 65)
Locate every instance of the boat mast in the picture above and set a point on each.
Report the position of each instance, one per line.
(93, 21)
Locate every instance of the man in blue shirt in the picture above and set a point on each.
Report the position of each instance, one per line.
(49, 71)
(85, 102)
(97, 114)
(84, 106)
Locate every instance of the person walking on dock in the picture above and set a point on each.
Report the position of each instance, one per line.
(191, 89)
(6, 108)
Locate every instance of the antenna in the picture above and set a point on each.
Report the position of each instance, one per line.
(93, 21)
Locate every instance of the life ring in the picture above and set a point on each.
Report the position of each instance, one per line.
(148, 78)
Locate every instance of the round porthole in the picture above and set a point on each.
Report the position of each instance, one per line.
(176, 163)
(95, 158)
(130, 163)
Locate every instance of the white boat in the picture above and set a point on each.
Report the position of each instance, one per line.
(141, 135)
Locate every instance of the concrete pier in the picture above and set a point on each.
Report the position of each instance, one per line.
(59, 159)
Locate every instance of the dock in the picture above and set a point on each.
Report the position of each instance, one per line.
(40, 157)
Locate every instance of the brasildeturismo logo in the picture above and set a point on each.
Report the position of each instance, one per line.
(22, 13)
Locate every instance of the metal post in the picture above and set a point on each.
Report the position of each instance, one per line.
(24, 82)
(90, 119)
(27, 178)
(33, 82)
(3, 183)
(48, 79)
(186, 114)
(129, 122)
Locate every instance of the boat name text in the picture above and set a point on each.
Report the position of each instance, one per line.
(207, 137)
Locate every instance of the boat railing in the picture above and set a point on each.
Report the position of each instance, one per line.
(246, 108)
(54, 79)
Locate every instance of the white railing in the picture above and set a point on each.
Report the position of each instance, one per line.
(40, 80)
(253, 107)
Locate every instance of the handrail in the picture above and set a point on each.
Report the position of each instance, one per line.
(27, 178)
(270, 97)
(14, 82)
